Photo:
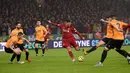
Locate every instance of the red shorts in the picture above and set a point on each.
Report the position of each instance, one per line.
(47, 38)
(69, 42)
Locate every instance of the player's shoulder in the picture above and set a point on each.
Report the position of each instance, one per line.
(71, 26)
(14, 38)
(61, 25)
(43, 27)
(36, 27)
(21, 29)
(123, 23)
(14, 30)
(114, 21)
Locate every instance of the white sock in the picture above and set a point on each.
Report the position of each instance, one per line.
(128, 57)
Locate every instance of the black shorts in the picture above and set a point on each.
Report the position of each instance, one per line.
(21, 46)
(8, 50)
(39, 42)
(115, 44)
(106, 40)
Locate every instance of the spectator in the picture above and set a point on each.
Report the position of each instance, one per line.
(30, 30)
(79, 11)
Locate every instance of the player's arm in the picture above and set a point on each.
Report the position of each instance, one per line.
(35, 32)
(23, 32)
(11, 34)
(75, 31)
(127, 31)
(102, 20)
(64, 30)
(49, 31)
(55, 24)
(27, 41)
(128, 26)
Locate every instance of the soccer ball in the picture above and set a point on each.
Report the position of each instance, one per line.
(80, 58)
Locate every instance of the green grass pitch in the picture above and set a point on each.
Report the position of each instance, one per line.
(58, 61)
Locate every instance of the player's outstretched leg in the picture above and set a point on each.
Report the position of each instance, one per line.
(125, 54)
(103, 57)
(93, 48)
(71, 54)
(122, 52)
(89, 51)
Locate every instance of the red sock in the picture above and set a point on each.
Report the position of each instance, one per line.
(71, 54)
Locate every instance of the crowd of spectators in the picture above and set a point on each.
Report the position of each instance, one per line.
(85, 14)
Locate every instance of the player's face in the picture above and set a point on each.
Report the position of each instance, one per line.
(68, 23)
(20, 36)
(18, 26)
(113, 17)
(109, 19)
(38, 23)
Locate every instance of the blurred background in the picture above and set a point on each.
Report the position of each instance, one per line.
(85, 15)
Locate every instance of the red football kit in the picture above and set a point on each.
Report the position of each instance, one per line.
(67, 35)
(48, 34)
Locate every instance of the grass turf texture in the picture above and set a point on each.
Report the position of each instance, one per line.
(58, 61)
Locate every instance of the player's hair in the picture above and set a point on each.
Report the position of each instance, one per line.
(17, 23)
(38, 20)
(111, 16)
(20, 34)
(67, 20)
